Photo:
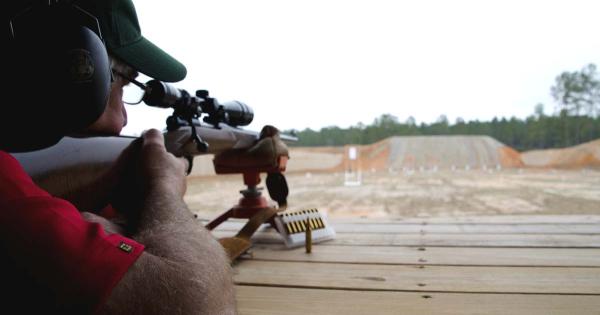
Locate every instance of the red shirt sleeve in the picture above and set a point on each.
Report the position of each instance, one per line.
(61, 250)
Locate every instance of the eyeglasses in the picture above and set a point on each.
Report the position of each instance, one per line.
(133, 94)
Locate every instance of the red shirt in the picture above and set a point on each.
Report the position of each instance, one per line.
(46, 248)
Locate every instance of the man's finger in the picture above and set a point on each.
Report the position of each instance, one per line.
(153, 137)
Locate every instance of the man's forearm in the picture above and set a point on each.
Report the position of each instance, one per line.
(184, 269)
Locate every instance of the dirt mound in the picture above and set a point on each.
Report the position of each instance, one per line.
(397, 153)
(410, 152)
(450, 152)
(583, 155)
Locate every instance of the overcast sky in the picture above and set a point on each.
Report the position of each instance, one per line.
(316, 63)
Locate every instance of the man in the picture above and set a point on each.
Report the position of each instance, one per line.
(161, 261)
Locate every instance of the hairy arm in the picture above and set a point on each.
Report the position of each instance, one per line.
(183, 270)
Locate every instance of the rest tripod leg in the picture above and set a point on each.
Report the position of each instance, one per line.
(251, 203)
(220, 219)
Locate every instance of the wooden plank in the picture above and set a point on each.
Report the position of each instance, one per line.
(254, 300)
(414, 228)
(445, 240)
(468, 228)
(465, 240)
(464, 256)
(483, 219)
(555, 280)
(490, 219)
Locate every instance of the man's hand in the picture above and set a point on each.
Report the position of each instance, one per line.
(145, 170)
(160, 169)
(183, 269)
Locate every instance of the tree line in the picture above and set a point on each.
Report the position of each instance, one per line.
(577, 97)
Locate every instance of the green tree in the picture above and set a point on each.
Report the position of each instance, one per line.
(440, 127)
(577, 120)
(577, 93)
(539, 110)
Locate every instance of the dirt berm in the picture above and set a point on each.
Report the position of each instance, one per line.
(397, 153)
(411, 152)
(583, 155)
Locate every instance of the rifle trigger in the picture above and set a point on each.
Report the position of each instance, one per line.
(190, 160)
(201, 145)
(278, 188)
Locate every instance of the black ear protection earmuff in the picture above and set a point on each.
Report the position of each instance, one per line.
(59, 72)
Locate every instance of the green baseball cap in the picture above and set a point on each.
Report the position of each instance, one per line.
(123, 38)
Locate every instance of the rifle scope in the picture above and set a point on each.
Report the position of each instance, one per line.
(164, 95)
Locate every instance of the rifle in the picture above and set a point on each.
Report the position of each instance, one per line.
(198, 125)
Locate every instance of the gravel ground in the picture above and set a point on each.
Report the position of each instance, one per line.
(419, 193)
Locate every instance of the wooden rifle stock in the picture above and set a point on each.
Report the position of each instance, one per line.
(83, 159)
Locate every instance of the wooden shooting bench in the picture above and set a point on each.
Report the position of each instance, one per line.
(459, 265)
